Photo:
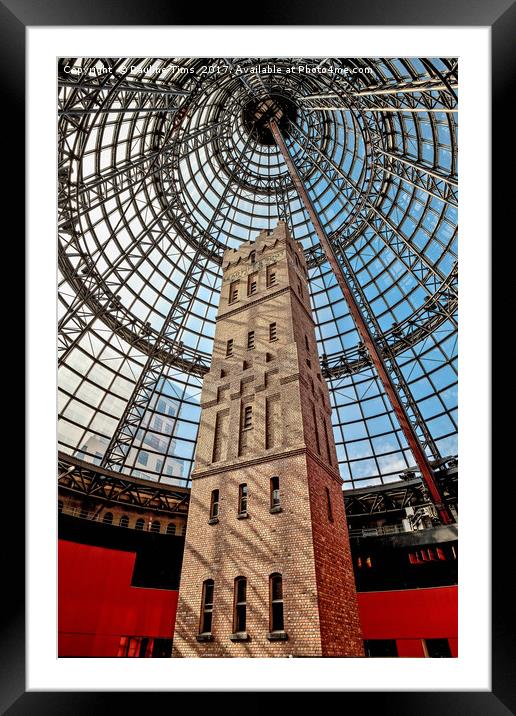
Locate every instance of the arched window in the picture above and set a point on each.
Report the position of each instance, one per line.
(155, 526)
(214, 505)
(108, 518)
(252, 257)
(171, 529)
(206, 607)
(240, 605)
(242, 499)
(276, 603)
(275, 494)
(140, 524)
(124, 521)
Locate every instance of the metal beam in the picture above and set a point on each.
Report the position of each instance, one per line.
(365, 334)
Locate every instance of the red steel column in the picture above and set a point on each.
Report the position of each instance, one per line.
(407, 427)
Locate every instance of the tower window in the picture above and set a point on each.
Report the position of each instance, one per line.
(273, 336)
(108, 518)
(252, 284)
(233, 291)
(328, 504)
(307, 344)
(229, 348)
(275, 494)
(299, 288)
(248, 417)
(206, 607)
(252, 257)
(276, 622)
(214, 506)
(271, 276)
(250, 341)
(240, 606)
(242, 499)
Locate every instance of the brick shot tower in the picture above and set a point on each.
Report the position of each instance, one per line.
(267, 570)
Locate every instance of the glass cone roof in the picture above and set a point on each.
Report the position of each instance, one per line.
(163, 165)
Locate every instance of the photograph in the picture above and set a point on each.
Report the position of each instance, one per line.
(257, 357)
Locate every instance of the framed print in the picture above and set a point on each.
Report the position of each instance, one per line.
(259, 314)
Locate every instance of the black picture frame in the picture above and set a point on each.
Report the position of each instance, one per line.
(500, 16)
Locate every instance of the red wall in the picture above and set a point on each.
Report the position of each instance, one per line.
(409, 616)
(97, 605)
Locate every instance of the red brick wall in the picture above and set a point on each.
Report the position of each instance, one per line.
(337, 599)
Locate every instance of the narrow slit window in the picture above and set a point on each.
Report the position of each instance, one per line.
(214, 505)
(233, 292)
(252, 284)
(242, 499)
(252, 257)
(240, 607)
(207, 607)
(328, 504)
(273, 334)
(277, 622)
(307, 344)
(248, 417)
(271, 276)
(250, 341)
(229, 348)
(275, 493)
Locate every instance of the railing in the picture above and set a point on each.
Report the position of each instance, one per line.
(95, 516)
(378, 531)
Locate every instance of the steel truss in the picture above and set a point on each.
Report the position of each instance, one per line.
(87, 480)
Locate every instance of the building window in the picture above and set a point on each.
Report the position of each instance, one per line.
(229, 348)
(275, 493)
(380, 647)
(136, 646)
(328, 504)
(143, 457)
(252, 284)
(276, 603)
(233, 292)
(250, 341)
(307, 344)
(248, 417)
(242, 499)
(252, 257)
(124, 521)
(240, 608)
(272, 332)
(437, 648)
(108, 518)
(139, 524)
(183, 531)
(271, 276)
(299, 288)
(155, 526)
(171, 528)
(206, 607)
(214, 505)
(60, 506)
